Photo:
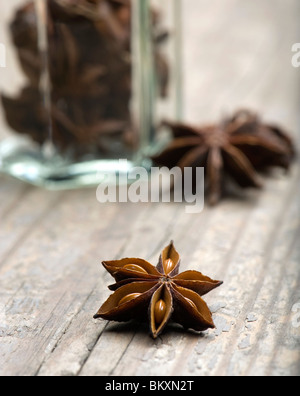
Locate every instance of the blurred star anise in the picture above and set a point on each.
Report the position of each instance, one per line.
(239, 147)
(161, 292)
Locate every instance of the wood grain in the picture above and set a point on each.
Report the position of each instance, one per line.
(51, 244)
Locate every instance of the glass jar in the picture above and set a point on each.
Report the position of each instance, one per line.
(85, 84)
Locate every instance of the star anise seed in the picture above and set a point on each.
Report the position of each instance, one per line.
(161, 292)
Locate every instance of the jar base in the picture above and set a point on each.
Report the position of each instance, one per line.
(55, 173)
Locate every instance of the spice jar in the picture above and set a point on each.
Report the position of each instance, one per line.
(86, 84)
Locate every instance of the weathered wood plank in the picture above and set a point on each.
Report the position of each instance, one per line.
(51, 270)
(145, 238)
(11, 193)
(233, 303)
(255, 267)
(17, 223)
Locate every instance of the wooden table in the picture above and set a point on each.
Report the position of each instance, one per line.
(51, 244)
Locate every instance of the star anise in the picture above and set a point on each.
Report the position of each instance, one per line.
(90, 63)
(239, 147)
(161, 292)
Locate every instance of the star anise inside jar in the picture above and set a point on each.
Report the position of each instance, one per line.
(238, 147)
(90, 69)
(160, 292)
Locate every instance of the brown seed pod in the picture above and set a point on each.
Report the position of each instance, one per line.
(161, 291)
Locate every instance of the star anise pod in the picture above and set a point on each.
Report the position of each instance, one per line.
(161, 292)
(238, 147)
